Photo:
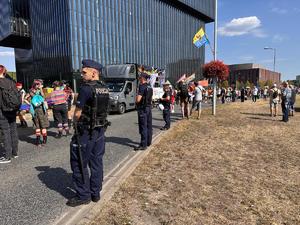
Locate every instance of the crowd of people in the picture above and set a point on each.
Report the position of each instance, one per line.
(16, 102)
(191, 96)
(90, 117)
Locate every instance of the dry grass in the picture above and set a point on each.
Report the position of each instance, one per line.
(241, 167)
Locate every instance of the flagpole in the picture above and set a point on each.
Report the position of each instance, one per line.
(212, 51)
(215, 57)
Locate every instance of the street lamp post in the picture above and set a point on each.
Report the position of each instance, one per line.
(214, 106)
(274, 51)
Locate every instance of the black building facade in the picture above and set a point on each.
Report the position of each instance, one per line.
(61, 33)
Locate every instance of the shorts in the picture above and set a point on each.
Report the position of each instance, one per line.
(197, 104)
(60, 114)
(40, 118)
(273, 103)
(184, 99)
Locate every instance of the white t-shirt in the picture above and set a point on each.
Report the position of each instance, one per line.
(198, 93)
(255, 90)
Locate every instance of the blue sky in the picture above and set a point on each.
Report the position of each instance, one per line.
(245, 28)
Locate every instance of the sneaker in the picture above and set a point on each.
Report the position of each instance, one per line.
(4, 160)
(15, 156)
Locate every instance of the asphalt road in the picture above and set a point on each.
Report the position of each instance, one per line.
(34, 188)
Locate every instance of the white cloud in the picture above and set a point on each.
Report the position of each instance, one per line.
(242, 26)
(277, 38)
(7, 53)
(279, 11)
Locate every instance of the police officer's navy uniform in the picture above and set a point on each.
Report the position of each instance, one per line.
(166, 110)
(145, 115)
(93, 99)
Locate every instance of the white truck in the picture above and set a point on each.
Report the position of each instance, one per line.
(122, 84)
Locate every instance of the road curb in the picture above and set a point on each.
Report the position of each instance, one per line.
(86, 214)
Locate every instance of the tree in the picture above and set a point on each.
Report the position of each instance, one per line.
(225, 84)
(247, 84)
(242, 85)
(262, 83)
(216, 69)
(269, 83)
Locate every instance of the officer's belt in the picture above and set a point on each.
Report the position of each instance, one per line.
(97, 123)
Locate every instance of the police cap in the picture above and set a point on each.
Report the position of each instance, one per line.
(88, 63)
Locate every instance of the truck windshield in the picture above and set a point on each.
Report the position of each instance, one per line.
(115, 87)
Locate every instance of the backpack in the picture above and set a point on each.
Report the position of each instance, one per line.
(275, 94)
(11, 98)
(37, 100)
(184, 90)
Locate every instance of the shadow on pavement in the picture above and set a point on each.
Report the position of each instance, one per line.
(121, 141)
(26, 133)
(56, 179)
(256, 114)
(259, 118)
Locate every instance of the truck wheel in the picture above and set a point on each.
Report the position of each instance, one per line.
(122, 108)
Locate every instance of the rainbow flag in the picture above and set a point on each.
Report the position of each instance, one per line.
(200, 38)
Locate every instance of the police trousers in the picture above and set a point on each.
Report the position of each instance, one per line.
(9, 135)
(145, 126)
(92, 150)
(167, 118)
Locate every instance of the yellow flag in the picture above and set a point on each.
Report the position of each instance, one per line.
(199, 34)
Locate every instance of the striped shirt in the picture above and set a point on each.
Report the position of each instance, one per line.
(58, 97)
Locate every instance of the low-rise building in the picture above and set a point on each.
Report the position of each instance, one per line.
(252, 73)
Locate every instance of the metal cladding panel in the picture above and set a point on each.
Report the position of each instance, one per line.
(50, 38)
(206, 7)
(151, 32)
(4, 19)
(154, 33)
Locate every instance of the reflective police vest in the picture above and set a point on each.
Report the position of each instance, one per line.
(94, 113)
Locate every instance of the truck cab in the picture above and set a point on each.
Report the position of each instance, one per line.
(121, 81)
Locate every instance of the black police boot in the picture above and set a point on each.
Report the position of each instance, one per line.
(95, 198)
(76, 201)
(140, 148)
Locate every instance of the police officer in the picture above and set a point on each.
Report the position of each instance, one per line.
(143, 103)
(90, 121)
(166, 101)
